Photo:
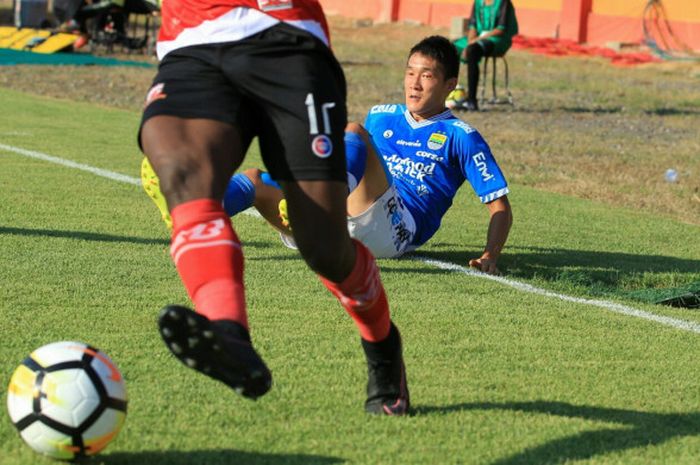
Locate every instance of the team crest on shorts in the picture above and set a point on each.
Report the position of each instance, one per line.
(156, 93)
(436, 141)
(271, 5)
(322, 146)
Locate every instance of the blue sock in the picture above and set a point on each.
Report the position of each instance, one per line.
(240, 194)
(267, 179)
(356, 159)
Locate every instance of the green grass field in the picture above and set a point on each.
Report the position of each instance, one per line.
(497, 375)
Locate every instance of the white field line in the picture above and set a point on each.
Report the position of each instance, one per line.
(72, 164)
(611, 306)
(524, 287)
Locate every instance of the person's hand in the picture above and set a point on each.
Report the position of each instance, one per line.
(485, 264)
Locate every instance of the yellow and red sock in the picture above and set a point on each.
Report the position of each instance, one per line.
(363, 297)
(209, 258)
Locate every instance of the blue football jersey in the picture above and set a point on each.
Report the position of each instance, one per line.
(430, 159)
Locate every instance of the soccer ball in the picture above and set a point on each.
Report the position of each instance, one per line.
(456, 98)
(67, 399)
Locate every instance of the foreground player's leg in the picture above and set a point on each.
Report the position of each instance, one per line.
(363, 297)
(349, 271)
(193, 161)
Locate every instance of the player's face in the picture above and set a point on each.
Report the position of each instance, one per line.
(425, 86)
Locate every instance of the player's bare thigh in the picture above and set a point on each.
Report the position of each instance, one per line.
(193, 158)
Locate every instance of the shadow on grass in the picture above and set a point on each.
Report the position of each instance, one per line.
(593, 110)
(671, 112)
(212, 457)
(599, 271)
(82, 235)
(100, 237)
(637, 429)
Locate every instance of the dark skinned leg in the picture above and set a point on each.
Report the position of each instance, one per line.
(317, 214)
(193, 158)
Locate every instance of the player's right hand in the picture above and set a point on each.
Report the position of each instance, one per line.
(486, 265)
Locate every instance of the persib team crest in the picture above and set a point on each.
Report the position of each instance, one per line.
(436, 141)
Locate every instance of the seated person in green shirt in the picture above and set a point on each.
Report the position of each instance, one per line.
(491, 28)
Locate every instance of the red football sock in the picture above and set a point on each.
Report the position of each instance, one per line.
(208, 256)
(363, 297)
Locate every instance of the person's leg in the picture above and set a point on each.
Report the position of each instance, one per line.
(301, 142)
(251, 188)
(267, 197)
(348, 269)
(193, 159)
(475, 53)
(376, 178)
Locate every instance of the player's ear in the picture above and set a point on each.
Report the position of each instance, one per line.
(451, 83)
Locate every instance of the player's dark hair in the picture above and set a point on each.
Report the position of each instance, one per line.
(443, 51)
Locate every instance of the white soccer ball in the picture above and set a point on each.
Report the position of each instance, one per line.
(456, 98)
(67, 399)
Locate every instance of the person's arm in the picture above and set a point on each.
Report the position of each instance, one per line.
(491, 33)
(501, 22)
(501, 219)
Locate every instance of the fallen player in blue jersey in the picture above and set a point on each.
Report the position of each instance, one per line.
(405, 166)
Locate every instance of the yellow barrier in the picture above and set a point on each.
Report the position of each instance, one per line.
(35, 40)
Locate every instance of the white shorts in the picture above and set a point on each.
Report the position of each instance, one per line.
(386, 228)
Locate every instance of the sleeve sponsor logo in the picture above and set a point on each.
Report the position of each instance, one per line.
(464, 126)
(480, 161)
(494, 195)
(383, 109)
(436, 141)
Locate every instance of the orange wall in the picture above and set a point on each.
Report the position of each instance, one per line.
(621, 21)
(352, 8)
(604, 21)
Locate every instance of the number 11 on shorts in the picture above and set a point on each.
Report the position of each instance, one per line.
(313, 120)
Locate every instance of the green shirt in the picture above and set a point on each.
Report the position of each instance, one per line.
(499, 15)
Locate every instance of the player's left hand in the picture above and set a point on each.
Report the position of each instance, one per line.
(487, 265)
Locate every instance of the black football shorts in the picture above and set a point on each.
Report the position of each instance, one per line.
(282, 85)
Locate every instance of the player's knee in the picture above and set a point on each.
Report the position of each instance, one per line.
(255, 176)
(323, 257)
(180, 176)
(260, 178)
(356, 128)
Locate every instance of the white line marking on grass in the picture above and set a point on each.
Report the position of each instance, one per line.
(72, 164)
(610, 306)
